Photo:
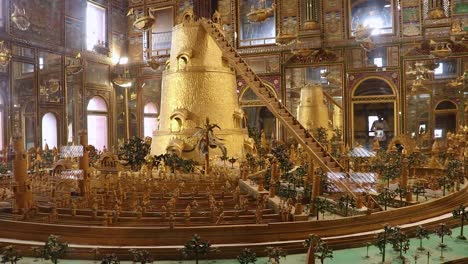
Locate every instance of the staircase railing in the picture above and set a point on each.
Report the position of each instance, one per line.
(300, 133)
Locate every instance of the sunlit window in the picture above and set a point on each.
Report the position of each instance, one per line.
(41, 63)
(97, 123)
(150, 121)
(257, 23)
(49, 130)
(370, 120)
(377, 15)
(439, 69)
(95, 25)
(378, 62)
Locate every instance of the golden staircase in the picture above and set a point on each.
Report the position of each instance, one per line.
(319, 154)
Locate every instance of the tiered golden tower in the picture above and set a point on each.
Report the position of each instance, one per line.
(197, 83)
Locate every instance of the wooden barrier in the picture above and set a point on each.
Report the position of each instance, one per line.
(233, 234)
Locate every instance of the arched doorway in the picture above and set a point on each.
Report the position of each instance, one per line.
(49, 130)
(374, 112)
(445, 118)
(257, 114)
(97, 123)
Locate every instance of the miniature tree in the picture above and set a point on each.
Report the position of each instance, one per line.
(441, 231)
(317, 248)
(388, 165)
(383, 238)
(281, 153)
(134, 152)
(232, 160)
(455, 171)
(401, 193)
(345, 202)
(321, 206)
(421, 233)
(322, 135)
(247, 256)
(323, 252)
(110, 259)
(418, 189)
(310, 243)
(54, 249)
(385, 197)
(206, 139)
(445, 183)
(275, 253)
(197, 248)
(461, 213)
(10, 255)
(224, 158)
(400, 242)
(141, 256)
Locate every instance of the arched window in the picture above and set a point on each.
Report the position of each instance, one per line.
(256, 114)
(49, 130)
(150, 119)
(373, 86)
(97, 123)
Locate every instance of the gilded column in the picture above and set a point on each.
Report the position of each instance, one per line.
(83, 164)
(22, 189)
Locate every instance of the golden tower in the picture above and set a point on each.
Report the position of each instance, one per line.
(312, 111)
(197, 83)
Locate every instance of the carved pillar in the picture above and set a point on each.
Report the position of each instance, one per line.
(404, 179)
(22, 189)
(83, 163)
(315, 187)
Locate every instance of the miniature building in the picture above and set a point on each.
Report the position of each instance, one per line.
(349, 107)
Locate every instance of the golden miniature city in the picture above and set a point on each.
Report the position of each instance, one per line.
(232, 162)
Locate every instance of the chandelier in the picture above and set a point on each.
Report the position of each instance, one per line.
(440, 49)
(19, 18)
(143, 21)
(123, 80)
(5, 54)
(260, 13)
(288, 34)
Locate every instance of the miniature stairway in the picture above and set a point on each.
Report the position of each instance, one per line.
(319, 154)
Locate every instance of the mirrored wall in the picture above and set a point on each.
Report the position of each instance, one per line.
(315, 96)
(435, 97)
(24, 101)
